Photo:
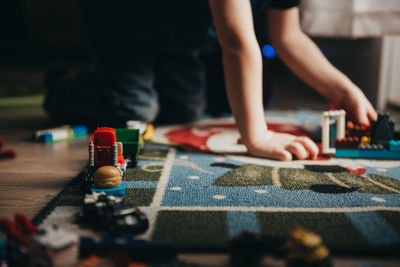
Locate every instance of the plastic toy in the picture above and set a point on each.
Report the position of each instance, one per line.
(305, 248)
(15, 230)
(301, 248)
(131, 144)
(356, 141)
(108, 179)
(117, 215)
(146, 130)
(136, 249)
(95, 261)
(29, 246)
(3, 252)
(65, 132)
(52, 246)
(115, 148)
(328, 119)
(6, 153)
(104, 150)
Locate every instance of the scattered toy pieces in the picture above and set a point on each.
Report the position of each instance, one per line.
(302, 248)
(27, 245)
(6, 153)
(146, 130)
(62, 133)
(305, 248)
(53, 246)
(119, 216)
(358, 141)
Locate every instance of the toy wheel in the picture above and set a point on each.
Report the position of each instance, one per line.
(87, 181)
(134, 161)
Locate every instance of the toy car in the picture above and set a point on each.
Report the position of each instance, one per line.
(117, 215)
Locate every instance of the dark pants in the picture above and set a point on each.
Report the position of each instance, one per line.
(138, 76)
(131, 80)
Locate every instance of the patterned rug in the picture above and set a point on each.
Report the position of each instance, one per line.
(201, 200)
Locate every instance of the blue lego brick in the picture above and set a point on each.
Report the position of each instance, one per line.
(61, 133)
(347, 153)
(46, 138)
(379, 154)
(367, 153)
(117, 191)
(79, 130)
(394, 145)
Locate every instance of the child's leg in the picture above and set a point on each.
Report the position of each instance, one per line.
(180, 84)
(120, 88)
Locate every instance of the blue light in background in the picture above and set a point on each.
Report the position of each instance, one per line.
(268, 51)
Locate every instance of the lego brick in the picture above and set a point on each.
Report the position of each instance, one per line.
(348, 142)
(356, 130)
(367, 153)
(394, 145)
(379, 154)
(3, 250)
(61, 133)
(382, 130)
(117, 191)
(347, 153)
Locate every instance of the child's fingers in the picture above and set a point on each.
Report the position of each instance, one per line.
(298, 150)
(361, 115)
(371, 113)
(282, 155)
(309, 145)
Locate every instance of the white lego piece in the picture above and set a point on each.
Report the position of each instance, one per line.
(325, 133)
(339, 117)
(141, 126)
(55, 238)
(341, 124)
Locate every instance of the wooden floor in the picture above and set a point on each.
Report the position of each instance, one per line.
(39, 172)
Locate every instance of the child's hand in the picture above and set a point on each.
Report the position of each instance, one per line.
(357, 106)
(282, 146)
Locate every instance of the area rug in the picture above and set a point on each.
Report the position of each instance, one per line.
(198, 197)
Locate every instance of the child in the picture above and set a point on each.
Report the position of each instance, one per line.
(138, 80)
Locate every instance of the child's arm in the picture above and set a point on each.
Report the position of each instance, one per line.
(243, 77)
(305, 59)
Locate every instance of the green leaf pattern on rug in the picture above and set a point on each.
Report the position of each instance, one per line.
(302, 179)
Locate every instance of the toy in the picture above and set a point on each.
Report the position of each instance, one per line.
(117, 215)
(136, 249)
(52, 246)
(302, 248)
(328, 118)
(305, 248)
(248, 249)
(6, 153)
(93, 261)
(104, 150)
(65, 132)
(356, 141)
(131, 144)
(3, 252)
(29, 246)
(117, 148)
(107, 177)
(146, 130)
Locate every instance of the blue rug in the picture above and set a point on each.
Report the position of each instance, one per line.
(198, 200)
